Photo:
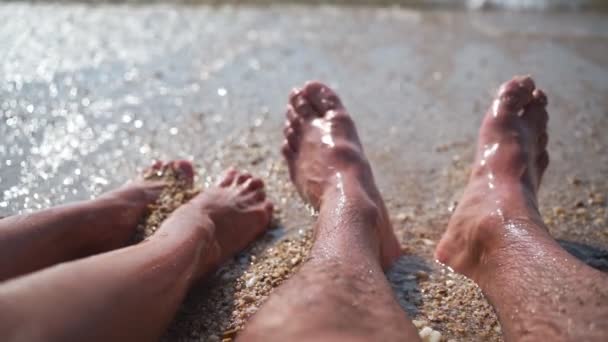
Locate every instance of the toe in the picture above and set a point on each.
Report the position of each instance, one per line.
(540, 97)
(155, 168)
(242, 178)
(292, 138)
(290, 114)
(184, 170)
(253, 184)
(513, 96)
(228, 177)
(323, 98)
(536, 111)
(288, 129)
(293, 119)
(295, 92)
(156, 165)
(301, 106)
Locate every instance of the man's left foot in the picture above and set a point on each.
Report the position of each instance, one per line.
(328, 167)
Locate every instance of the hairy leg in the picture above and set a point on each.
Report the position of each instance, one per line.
(497, 237)
(341, 292)
(30, 242)
(131, 294)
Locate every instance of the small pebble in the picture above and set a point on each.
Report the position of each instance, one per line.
(579, 204)
(419, 323)
(427, 334)
(251, 282)
(597, 199)
(403, 217)
(428, 242)
(248, 298)
(229, 334)
(295, 261)
(422, 275)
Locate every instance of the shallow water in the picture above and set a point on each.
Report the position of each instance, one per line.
(89, 94)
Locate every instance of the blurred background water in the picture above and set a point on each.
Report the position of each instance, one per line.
(593, 5)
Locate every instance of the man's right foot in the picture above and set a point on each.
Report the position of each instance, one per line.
(499, 206)
(328, 167)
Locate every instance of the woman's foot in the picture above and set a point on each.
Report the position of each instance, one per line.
(328, 167)
(499, 206)
(33, 241)
(124, 207)
(229, 216)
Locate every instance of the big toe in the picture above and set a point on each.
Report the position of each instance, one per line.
(184, 170)
(512, 97)
(535, 113)
(322, 97)
(300, 107)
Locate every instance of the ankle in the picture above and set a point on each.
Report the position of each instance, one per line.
(97, 236)
(193, 233)
(349, 220)
(349, 200)
(503, 245)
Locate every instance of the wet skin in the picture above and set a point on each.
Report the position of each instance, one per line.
(497, 237)
(132, 293)
(341, 292)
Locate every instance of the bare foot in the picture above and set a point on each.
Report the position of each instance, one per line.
(125, 206)
(327, 163)
(231, 215)
(500, 198)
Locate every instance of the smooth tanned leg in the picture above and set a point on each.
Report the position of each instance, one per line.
(131, 294)
(341, 292)
(30, 242)
(497, 237)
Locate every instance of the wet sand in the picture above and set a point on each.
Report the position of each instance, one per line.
(89, 94)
